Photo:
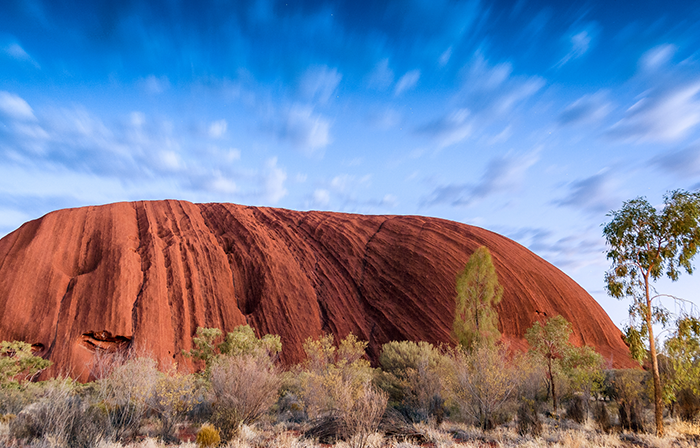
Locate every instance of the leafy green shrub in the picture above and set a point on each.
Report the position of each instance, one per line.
(414, 374)
(208, 436)
(175, 394)
(18, 363)
(485, 384)
(626, 387)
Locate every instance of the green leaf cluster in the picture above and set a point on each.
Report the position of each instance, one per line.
(241, 341)
(18, 363)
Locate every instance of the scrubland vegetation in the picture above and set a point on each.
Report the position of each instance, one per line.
(479, 393)
(420, 395)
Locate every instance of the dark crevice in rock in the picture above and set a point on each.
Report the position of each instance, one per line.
(104, 341)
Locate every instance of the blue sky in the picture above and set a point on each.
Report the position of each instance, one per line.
(529, 118)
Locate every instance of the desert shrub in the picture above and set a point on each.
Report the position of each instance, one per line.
(576, 409)
(209, 344)
(245, 387)
(62, 416)
(529, 418)
(627, 388)
(124, 396)
(485, 384)
(207, 436)
(413, 374)
(688, 405)
(601, 417)
(332, 377)
(174, 395)
(363, 417)
(14, 397)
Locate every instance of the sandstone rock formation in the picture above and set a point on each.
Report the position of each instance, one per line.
(147, 274)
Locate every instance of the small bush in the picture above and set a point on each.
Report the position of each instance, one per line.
(413, 375)
(601, 416)
(688, 405)
(576, 409)
(208, 436)
(245, 388)
(485, 385)
(529, 418)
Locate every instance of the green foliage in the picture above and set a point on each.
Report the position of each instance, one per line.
(174, 395)
(207, 436)
(333, 378)
(582, 367)
(485, 384)
(478, 292)
(240, 341)
(413, 375)
(645, 245)
(17, 363)
(683, 350)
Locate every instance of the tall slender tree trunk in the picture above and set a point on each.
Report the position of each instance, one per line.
(554, 390)
(658, 401)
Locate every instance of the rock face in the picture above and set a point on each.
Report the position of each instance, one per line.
(147, 274)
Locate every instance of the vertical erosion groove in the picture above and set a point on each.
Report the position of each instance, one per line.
(145, 240)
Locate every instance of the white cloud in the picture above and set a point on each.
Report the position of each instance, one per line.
(503, 174)
(596, 194)
(587, 109)
(658, 57)
(407, 82)
(450, 129)
(306, 130)
(445, 57)
(321, 197)
(319, 83)
(579, 42)
(15, 107)
(490, 91)
(222, 184)
(664, 114)
(273, 178)
(15, 51)
(217, 129)
(381, 77)
(155, 85)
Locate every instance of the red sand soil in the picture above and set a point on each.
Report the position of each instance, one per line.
(147, 274)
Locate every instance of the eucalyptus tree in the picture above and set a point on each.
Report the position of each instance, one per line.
(478, 292)
(645, 245)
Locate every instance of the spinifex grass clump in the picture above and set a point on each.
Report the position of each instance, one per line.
(208, 436)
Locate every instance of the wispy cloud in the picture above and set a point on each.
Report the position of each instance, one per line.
(303, 128)
(579, 41)
(668, 109)
(587, 109)
(503, 174)
(15, 51)
(407, 82)
(684, 162)
(493, 89)
(14, 107)
(318, 84)
(449, 129)
(154, 85)
(381, 77)
(595, 194)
